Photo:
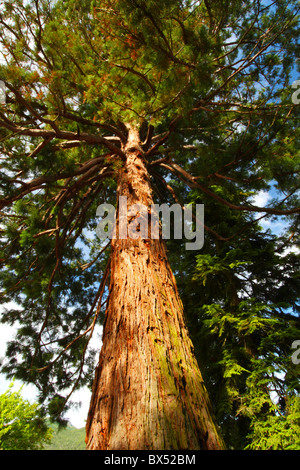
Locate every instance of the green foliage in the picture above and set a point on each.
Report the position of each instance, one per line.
(22, 424)
(277, 430)
(67, 438)
(246, 317)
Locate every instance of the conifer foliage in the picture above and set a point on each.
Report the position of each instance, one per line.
(208, 88)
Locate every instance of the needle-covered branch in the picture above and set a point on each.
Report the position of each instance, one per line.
(191, 181)
(92, 139)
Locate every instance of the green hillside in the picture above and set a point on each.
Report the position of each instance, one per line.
(68, 438)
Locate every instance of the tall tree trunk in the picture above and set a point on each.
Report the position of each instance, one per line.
(148, 391)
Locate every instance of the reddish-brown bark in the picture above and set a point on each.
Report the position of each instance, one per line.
(148, 392)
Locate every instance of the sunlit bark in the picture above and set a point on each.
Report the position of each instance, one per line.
(148, 391)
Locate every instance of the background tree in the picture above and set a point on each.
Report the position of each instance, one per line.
(23, 425)
(205, 87)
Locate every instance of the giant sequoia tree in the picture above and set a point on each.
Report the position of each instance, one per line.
(161, 102)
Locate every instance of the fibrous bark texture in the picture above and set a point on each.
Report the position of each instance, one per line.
(148, 391)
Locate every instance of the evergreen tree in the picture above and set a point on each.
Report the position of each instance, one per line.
(174, 101)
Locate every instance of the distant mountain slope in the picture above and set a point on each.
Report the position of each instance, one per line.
(68, 438)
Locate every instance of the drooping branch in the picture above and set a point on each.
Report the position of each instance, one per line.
(37, 183)
(148, 139)
(159, 140)
(268, 40)
(109, 127)
(96, 304)
(62, 232)
(92, 139)
(191, 181)
(112, 143)
(176, 199)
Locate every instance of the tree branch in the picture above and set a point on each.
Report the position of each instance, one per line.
(176, 169)
(37, 183)
(175, 197)
(88, 122)
(91, 139)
